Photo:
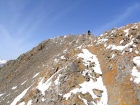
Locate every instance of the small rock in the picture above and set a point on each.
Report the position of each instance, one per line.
(94, 79)
(91, 64)
(87, 78)
(98, 75)
(97, 92)
(126, 49)
(96, 100)
(93, 74)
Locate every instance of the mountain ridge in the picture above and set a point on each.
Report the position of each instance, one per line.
(76, 70)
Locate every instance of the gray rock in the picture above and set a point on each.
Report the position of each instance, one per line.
(126, 49)
(97, 92)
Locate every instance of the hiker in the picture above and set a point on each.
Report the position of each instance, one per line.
(89, 32)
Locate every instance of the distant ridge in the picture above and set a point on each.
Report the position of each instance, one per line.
(2, 62)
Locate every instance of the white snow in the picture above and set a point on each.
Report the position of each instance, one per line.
(2, 62)
(131, 49)
(56, 60)
(135, 75)
(80, 47)
(127, 32)
(113, 56)
(29, 102)
(62, 57)
(23, 103)
(136, 26)
(90, 57)
(114, 47)
(13, 88)
(105, 45)
(134, 45)
(87, 87)
(19, 97)
(102, 40)
(1, 95)
(84, 100)
(120, 48)
(36, 75)
(65, 51)
(43, 99)
(23, 82)
(57, 80)
(74, 91)
(136, 52)
(44, 86)
(121, 41)
(65, 36)
(136, 60)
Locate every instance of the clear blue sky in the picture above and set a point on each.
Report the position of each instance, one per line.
(26, 23)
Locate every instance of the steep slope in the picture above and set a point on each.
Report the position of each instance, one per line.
(119, 55)
(76, 70)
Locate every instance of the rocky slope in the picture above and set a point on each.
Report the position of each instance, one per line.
(76, 70)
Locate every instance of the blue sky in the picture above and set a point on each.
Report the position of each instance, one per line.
(26, 23)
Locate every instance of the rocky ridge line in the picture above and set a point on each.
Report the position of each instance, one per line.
(77, 70)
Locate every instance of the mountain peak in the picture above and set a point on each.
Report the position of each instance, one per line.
(76, 70)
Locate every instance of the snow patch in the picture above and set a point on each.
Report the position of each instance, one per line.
(36, 75)
(136, 60)
(135, 75)
(1, 95)
(120, 48)
(102, 40)
(57, 80)
(29, 102)
(84, 100)
(90, 57)
(74, 91)
(23, 82)
(87, 87)
(13, 88)
(121, 41)
(19, 97)
(62, 57)
(127, 32)
(136, 52)
(2, 62)
(44, 86)
(23, 103)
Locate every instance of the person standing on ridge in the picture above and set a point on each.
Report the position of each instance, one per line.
(89, 32)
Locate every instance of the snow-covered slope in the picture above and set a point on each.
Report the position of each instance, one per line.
(2, 62)
(77, 70)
